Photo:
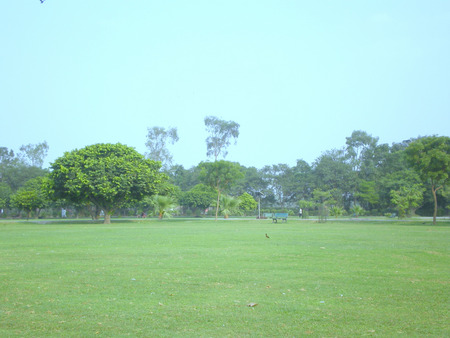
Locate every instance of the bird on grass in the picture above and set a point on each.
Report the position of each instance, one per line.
(267, 236)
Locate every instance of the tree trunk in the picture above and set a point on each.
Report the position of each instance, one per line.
(107, 218)
(218, 202)
(433, 190)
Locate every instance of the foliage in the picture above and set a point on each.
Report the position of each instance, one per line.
(357, 210)
(324, 197)
(229, 205)
(220, 133)
(247, 202)
(5, 195)
(108, 175)
(34, 154)
(198, 198)
(14, 171)
(367, 193)
(30, 197)
(157, 139)
(407, 199)
(186, 179)
(219, 175)
(430, 157)
(163, 206)
(336, 211)
(359, 146)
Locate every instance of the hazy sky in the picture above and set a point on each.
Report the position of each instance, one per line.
(298, 76)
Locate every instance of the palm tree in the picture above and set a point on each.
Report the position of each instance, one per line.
(357, 210)
(229, 205)
(163, 204)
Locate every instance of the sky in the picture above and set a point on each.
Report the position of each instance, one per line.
(298, 76)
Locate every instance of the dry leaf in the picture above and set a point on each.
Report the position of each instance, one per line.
(252, 304)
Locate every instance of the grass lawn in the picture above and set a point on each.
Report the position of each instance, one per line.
(178, 278)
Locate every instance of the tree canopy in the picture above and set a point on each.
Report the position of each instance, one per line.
(430, 157)
(220, 175)
(109, 176)
(220, 133)
(157, 139)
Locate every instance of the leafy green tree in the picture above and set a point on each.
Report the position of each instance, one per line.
(110, 176)
(336, 211)
(406, 199)
(157, 139)
(247, 203)
(163, 205)
(277, 179)
(229, 205)
(331, 171)
(186, 179)
(299, 183)
(219, 175)
(306, 207)
(357, 210)
(32, 196)
(220, 133)
(367, 193)
(323, 199)
(358, 146)
(394, 173)
(14, 171)
(5, 195)
(430, 157)
(198, 198)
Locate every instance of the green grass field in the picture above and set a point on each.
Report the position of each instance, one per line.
(178, 278)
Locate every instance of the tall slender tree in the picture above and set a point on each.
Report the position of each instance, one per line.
(157, 140)
(34, 154)
(220, 133)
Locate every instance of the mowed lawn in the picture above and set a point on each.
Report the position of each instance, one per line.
(178, 278)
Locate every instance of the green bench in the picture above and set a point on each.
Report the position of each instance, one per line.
(279, 215)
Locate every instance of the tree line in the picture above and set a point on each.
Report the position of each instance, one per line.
(361, 177)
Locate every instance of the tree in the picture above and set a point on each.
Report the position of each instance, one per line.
(14, 171)
(330, 171)
(323, 200)
(357, 210)
(107, 175)
(186, 179)
(157, 139)
(367, 193)
(5, 195)
(407, 199)
(34, 154)
(219, 175)
(198, 198)
(358, 145)
(163, 204)
(229, 205)
(31, 196)
(220, 133)
(247, 202)
(277, 177)
(430, 157)
(306, 206)
(336, 211)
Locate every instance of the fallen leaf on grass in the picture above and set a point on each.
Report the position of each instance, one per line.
(252, 304)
